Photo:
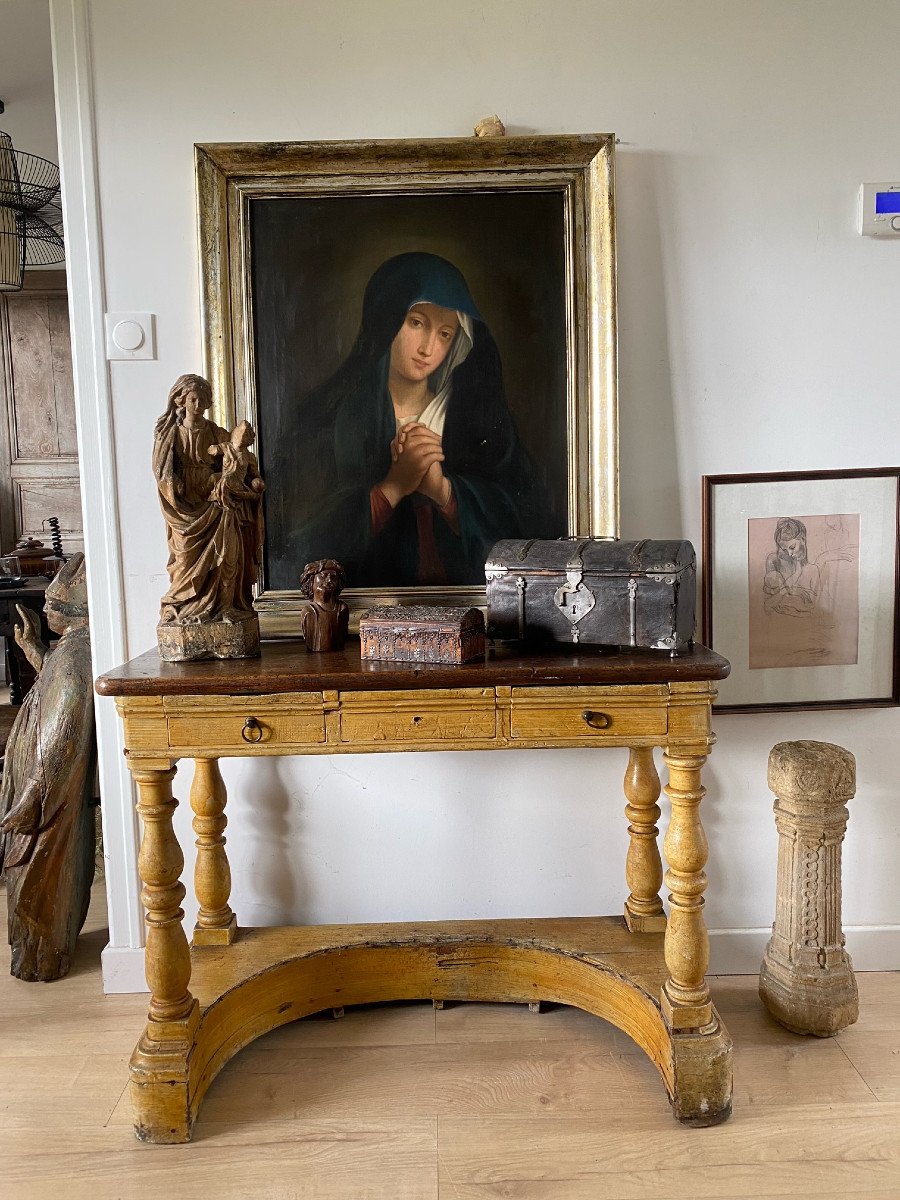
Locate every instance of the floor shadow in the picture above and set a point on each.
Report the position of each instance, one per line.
(88, 949)
(271, 889)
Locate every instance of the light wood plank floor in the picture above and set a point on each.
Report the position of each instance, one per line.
(473, 1102)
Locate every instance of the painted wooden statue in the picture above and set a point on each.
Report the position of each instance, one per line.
(210, 492)
(47, 825)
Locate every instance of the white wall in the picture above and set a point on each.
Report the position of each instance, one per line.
(26, 77)
(757, 332)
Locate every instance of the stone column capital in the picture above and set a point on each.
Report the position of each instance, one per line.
(812, 771)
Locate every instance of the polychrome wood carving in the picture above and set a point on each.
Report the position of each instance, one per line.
(47, 827)
(210, 492)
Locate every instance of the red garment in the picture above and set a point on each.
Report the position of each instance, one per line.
(450, 512)
(431, 569)
(380, 510)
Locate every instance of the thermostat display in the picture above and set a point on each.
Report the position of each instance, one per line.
(879, 209)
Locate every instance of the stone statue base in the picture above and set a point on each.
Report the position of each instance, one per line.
(818, 1002)
(208, 639)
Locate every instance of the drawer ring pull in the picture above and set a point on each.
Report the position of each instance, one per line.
(252, 731)
(596, 720)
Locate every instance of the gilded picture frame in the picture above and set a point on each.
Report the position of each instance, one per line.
(286, 231)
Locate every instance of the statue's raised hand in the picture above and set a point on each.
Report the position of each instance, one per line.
(28, 637)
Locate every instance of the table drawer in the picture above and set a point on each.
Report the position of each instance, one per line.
(451, 715)
(245, 722)
(584, 714)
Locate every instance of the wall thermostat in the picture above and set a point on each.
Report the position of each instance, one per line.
(879, 209)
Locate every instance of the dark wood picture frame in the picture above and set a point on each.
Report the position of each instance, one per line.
(719, 633)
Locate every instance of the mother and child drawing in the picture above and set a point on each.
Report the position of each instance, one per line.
(405, 462)
(804, 590)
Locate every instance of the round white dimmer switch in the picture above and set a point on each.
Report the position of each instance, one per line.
(128, 335)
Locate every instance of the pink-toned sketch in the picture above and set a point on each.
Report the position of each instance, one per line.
(803, 578)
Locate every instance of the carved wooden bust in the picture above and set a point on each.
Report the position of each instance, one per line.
(325, 620)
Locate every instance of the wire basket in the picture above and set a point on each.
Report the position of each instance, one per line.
(12, 250)
(27, 182)
(31, 233)
(43, 237)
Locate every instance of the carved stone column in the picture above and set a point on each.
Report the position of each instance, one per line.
(807, 981)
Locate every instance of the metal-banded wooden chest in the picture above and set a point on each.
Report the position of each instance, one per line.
(602, 592)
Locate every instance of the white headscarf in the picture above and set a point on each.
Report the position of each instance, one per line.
(441, 380)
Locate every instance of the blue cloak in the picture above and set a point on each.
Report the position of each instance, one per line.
(342, 449)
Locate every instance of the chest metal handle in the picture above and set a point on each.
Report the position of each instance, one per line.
(596, 720)
(252, 731)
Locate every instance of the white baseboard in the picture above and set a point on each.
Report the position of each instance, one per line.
(123, 969)
(740, 951)
(731, 952)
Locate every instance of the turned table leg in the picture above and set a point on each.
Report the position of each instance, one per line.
(167, 956)
(685, 995)
(216, 923)
(159, 1065)
(643, 867)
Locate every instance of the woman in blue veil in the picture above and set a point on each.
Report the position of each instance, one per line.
(410, 448)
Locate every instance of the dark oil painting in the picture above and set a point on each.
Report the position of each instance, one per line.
(411, 380)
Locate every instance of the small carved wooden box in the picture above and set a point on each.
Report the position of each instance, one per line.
(422, 634)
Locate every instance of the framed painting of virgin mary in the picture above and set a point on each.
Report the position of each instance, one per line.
(423, 336)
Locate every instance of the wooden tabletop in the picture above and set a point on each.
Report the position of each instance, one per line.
(31, 585)
(287, 666)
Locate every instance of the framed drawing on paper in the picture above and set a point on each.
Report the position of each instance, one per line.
(800, 587)
(423, 336)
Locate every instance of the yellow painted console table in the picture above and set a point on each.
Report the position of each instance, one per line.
(641, 972)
